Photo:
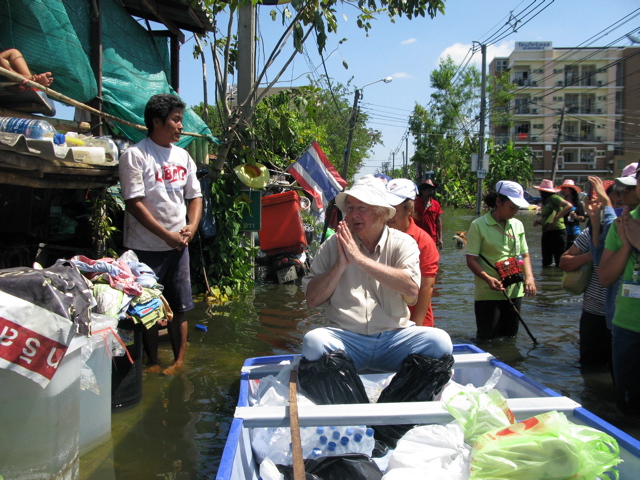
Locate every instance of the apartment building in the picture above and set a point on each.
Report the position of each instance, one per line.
(587, 98)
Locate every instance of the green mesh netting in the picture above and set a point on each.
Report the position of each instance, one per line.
(53, 35)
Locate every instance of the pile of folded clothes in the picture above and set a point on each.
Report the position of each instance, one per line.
(125, 287)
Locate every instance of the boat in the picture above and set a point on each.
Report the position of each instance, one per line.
(525, 397)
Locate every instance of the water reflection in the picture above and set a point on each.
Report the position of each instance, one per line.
(179, 428)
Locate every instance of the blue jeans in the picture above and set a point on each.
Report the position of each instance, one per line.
(381, 352)
(626, 369)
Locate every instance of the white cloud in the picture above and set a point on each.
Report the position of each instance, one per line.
(409, 41)
(458, 52)
(399, 75)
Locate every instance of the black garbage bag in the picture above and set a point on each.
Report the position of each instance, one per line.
(353, 466)
(420, 379)
(330, 380)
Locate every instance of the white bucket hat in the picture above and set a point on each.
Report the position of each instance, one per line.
(513, 191)
(370, 190)
(628, 177)
(400, 189)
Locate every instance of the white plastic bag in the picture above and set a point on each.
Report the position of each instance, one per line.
(269, 471)
(105, 328)
(375, 383)
(432, 448)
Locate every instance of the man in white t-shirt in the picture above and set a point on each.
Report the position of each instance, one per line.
(163, 209)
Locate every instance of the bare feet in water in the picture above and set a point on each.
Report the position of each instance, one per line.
(155, 368)
(173, 369)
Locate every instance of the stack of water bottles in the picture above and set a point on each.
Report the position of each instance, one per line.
(331, 441)
(31, 128)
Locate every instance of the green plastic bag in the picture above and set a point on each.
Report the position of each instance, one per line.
(547, 446)
(479, 413)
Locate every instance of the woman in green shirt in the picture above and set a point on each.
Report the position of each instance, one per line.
(493, 239)
(554, 233)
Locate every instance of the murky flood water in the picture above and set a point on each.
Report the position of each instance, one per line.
(179, 429)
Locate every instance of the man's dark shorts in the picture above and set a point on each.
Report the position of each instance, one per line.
(172, 269)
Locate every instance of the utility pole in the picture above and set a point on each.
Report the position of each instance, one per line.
(483, 107)
(393, 158)
(352, 124)
(352, 127)
(246, 53)
(406, 148)
(555, 154)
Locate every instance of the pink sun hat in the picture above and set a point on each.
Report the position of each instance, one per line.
(568, 183)
(547, 186)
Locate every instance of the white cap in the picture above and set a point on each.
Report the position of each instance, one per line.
(628, 177)
(513, 191)
(400, 189)
(367, 189)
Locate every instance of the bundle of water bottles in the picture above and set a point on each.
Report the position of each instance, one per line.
(275, 442)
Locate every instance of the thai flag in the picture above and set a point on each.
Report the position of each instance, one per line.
(316, 175)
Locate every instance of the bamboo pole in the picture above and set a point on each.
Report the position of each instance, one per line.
(70, 101)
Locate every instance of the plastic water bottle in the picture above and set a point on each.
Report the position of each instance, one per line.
(30, 128)
(363, 441)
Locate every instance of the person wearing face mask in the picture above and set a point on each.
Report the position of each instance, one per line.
(498, 256)
(402, 193)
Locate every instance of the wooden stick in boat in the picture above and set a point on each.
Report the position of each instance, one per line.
(294, 426)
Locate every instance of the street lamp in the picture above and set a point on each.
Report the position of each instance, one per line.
(352, 123)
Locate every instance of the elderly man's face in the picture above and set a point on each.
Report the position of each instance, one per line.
(361, 217)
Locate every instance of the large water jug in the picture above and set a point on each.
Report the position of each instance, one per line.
(29, 127)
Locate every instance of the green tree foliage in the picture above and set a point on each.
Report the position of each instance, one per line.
(284, 125)
(444, 131)
(227, 258)
(446, 134)
(287, 123)
(510, 163)
(300, 18)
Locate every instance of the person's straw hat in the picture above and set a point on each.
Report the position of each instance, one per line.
(568, 183)
(628, 177)
(253, 175)
(370, 190)
(547, 186)
(400, 189)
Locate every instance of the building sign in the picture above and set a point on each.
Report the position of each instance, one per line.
(534, 45)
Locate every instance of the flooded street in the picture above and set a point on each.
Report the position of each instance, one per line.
(179, 428)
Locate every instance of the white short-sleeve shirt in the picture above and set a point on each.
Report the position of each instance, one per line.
(165, 178)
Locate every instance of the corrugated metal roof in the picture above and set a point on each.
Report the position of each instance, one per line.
(190, 15)
(38, 163)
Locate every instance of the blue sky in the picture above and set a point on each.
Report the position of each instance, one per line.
(409, 50)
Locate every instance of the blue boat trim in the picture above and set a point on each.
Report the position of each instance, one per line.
(624, 439)
(518, 374)
(229, 454)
